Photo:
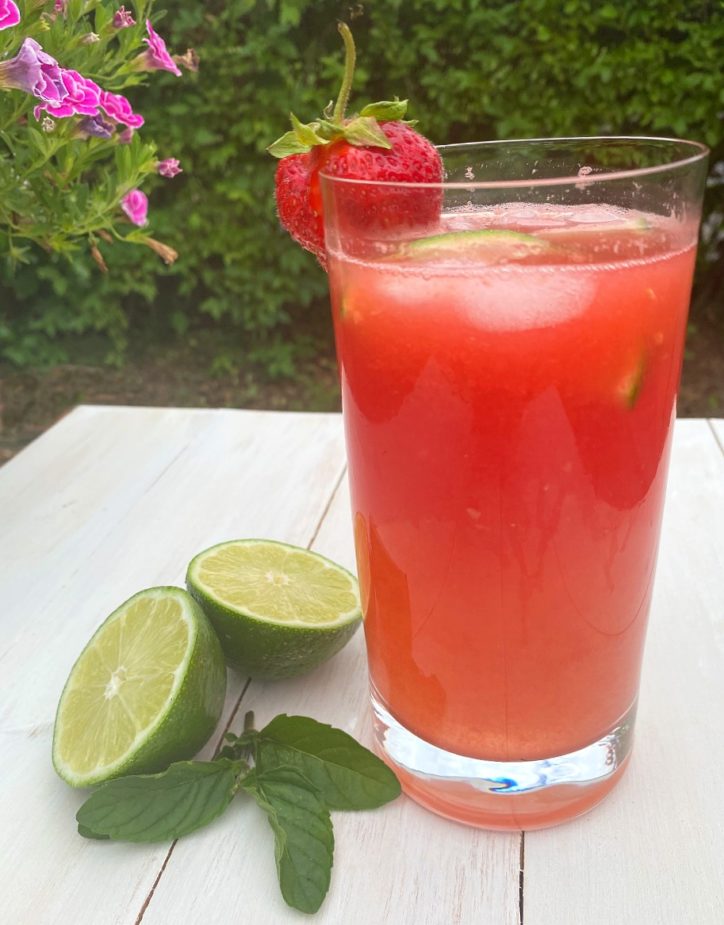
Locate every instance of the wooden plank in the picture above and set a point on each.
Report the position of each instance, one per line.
(398, 864)
(652, 852)
(154, 487)
(107, 502)
(717, 426)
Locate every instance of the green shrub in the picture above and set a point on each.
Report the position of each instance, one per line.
(472, 70)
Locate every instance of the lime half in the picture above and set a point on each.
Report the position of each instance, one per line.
(147, 690)
(279, 610)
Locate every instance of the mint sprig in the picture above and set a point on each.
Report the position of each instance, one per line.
(296, 769)
(347, 775)
(155, 807)
(303, 837)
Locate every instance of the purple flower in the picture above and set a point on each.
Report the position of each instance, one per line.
(34, 71)
(82, 97)
(123, 18)
(135, 205)
(157, 57)
(169, 168)
(96, 126)
(126, 136)
(9, 14)
(61, 6)
(118, 109)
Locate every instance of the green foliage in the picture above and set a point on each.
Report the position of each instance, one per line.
(61, 183)
(472, 70)
(63, 178)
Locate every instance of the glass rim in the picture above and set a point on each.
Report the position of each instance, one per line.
(699, 152)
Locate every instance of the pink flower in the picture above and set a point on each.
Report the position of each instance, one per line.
(157, 57)
(82, 97)
(118, 108)
(135, 205)
(126, 136)
(123, 18)
(9, 14)
(169, 168)
(61, 6)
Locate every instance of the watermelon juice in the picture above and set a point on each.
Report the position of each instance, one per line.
(509, 387)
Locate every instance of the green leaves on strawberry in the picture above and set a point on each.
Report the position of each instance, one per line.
(376, 145)
(360, 130)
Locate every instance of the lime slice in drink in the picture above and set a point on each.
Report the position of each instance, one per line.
(279, 610)
(489, 245)
(147, 690)
(628, 388)
(614, 229)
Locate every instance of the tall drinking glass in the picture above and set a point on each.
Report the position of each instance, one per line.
(510, 345)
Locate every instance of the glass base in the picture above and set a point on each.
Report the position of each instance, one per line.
(508, 795)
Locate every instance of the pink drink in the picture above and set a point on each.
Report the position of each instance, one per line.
(509, 409)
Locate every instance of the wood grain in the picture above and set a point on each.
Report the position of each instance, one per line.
(398, 864)
(105, 503)
(652, 852)
(113, 499)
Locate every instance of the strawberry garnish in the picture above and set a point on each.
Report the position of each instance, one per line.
(374, 145)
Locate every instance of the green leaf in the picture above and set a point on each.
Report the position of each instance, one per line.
(306, 134)
(346, 774)
(158, 807)
(386, 110)
(365, 132)
(303, 838)
(329, 131)
(286, 145)
(89, 833)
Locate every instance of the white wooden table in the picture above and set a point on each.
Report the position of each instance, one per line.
(112, 500)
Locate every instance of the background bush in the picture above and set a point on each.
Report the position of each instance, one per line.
(472, 70)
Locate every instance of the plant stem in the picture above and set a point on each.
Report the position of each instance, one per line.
(349, 60)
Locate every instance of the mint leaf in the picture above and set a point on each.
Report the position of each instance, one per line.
(386, 110)
(363, 131)
(158, 807)
(303, 838)
(89, 833)
(346, 774)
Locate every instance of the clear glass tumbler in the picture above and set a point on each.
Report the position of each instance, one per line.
(510, 345)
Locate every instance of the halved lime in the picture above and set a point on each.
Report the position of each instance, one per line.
(147, 690)
(492, 245)
(279, 610)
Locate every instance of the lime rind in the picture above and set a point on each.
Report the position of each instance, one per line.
(260, 644)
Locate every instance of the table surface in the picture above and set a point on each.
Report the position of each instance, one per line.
(112, 500)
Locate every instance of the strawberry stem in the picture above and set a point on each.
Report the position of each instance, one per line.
(349, 60)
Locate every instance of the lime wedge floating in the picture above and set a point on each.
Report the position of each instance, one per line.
(279, 610)
(582, 230)
(491, 245)
(147, 690)
(629, 386)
